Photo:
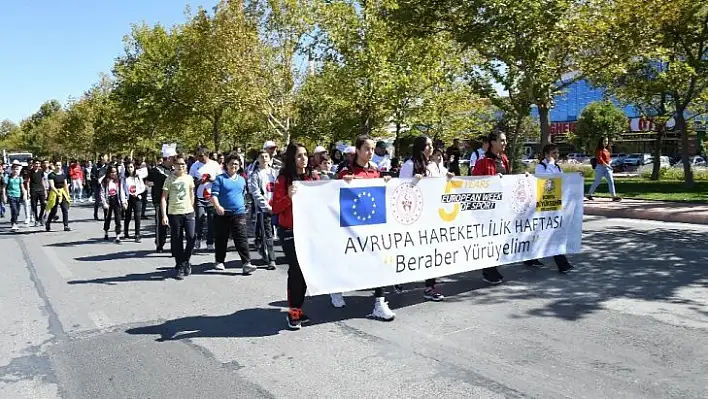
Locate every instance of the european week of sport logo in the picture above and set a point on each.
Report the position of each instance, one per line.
(362, 206)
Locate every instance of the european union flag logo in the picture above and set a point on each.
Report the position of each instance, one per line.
(362, 206)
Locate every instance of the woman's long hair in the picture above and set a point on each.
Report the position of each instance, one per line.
(135, 169)
(420, 161)
(601, 145)
(107, 178)
(289, 169)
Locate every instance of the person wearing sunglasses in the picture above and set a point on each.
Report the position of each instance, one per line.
(228, 197)
(177, 207)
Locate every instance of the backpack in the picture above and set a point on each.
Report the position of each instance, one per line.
(593, 162)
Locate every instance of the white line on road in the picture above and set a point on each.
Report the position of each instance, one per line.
(100, 319)
(58, 265)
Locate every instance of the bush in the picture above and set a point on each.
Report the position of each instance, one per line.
(673, 173)
(585, 169)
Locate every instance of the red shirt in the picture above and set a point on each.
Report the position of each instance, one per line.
(282, 204)
(360, 172)
(76, 172)
(602, 156)
(488, 167)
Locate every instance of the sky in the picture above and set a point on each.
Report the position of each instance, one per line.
(57, 49)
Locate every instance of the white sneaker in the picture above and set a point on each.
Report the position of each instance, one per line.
(28, 222)
(14, 227)
(210, 247)
(337, 300)
(219, 266)
(247, 269)
(382, 311)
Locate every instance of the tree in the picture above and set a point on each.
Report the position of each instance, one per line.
(546, 46)
(599, 119)
(667, 66)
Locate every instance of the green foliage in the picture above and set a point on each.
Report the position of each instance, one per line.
(599, 119)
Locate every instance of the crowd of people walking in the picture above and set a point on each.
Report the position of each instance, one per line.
(204, 201)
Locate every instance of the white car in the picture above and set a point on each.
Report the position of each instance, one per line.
(695, 160)
(637, 159)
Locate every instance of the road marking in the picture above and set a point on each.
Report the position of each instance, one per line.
(58, 265)
(100, 319)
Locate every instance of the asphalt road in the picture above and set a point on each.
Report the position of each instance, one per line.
(82, 318)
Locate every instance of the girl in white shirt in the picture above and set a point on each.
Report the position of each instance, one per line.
(133, 187)
(419, 166)
(548, 166)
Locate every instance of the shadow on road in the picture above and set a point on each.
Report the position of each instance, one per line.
(258, 322)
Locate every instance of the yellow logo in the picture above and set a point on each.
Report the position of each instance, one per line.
(549, 194)
(456, 185)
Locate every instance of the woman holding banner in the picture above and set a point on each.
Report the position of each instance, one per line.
(294, 168)
(548, 166)
(494, 163)
(420, 166)
(363, 168)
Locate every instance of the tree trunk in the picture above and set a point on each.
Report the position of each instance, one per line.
(656, 170)
(216, 134)
(681, 126)
(545, 121)
(397, 141)
(514, 153)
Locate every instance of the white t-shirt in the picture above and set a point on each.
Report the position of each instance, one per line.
(434, 170)
(547, 168)
(211, 168)
(477, 155)
(383, 162)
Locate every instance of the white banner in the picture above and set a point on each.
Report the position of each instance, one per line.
(369, 233)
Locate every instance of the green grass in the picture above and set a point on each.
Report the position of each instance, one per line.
(663, 190)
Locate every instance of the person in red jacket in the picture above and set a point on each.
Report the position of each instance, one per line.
(363, 168)
(494, 163)
(294, 168)
(76, 173)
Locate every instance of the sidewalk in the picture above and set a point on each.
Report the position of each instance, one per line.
(648, 210)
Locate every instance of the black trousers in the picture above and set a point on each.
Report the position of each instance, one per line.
(264, 231)
(205, 219)
(64, 213)
(144, 203)
(115, 208)
(135, 206)
(234, 226)
(296, 281)
(181, 227)
(160, 229)
(38, 198)
(96, 200)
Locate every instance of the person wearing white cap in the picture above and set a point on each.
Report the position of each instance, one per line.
(316, 158)
(272, 149)
(348, 157)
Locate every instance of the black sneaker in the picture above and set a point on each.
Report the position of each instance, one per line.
(565, 268)
(590, 197)
(493, 277)
(67, 228)
(533, 263)
(47, 227)
(398, 288)
(118, 240)
(187, 267)
(138, 240)
(432, 294)
(105, 237)
(159, 250)
(293, 319)
(304, 319)
(179, 273)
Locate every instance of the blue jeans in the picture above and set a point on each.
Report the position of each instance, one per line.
(600, 172)
(14, 203)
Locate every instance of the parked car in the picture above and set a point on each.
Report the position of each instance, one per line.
(637, 159)
(664, 162)
(618, 159)
(694, 161)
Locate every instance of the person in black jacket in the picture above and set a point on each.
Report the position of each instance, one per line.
(156, 180)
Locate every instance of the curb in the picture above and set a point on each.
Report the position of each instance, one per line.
(643, 214)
